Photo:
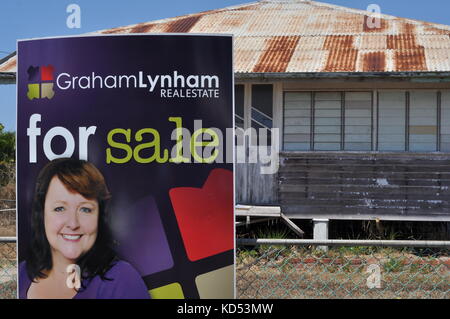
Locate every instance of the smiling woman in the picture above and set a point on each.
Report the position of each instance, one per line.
(69, 224)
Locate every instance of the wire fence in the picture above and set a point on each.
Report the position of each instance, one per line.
(7, 199)
(8, 268)
(8, 263)
(343, 269)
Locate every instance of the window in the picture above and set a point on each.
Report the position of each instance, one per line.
(239, 106)
(445, 121)
(262, 109)
(358, 121)
(422, 121)
(327, 121)
(392, 121)
(408, 121)
(297, 121)
(411, 121)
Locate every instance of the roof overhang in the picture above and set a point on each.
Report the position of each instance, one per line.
(7, 77)
(414, 77)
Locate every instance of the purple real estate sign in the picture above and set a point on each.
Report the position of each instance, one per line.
(150, 113)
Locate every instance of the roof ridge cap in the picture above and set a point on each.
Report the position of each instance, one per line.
(309, 2)
(165, 20)
(360, 11)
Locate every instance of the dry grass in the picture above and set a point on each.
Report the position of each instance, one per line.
(9, 231)
(8, 191)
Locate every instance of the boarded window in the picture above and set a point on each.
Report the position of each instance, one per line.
(392, 121)
(423, 121)
(408, 121)
(358, 121)
(297, 121)
(327, 121)
(333, 121)
(445, 121)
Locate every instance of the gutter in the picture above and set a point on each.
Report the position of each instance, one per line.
(440, 77)
(7, 78)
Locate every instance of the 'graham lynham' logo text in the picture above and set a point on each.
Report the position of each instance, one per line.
(175, 85)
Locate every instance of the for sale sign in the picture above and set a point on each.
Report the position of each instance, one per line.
(125, 167)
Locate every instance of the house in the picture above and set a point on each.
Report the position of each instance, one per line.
(362, 104)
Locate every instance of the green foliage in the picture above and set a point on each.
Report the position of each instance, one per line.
(7, 146)
(244, 254)
(393, 265)
(356, 250)
(273, 233)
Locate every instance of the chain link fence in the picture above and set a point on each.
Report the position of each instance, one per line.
(343, 269)
(7, 199)
(8, 268)
(8, 263)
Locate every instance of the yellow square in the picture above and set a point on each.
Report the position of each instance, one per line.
(171, 291)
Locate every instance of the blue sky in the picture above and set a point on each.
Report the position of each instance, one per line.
(22, 19)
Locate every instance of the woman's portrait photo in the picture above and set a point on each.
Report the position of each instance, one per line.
(72, 253)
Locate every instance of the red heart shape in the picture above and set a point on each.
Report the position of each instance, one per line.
(205, 215)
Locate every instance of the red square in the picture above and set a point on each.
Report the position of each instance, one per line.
(47, 73)
(205, 215)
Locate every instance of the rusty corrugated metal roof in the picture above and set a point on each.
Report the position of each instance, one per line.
(284, 36)
(8, 64)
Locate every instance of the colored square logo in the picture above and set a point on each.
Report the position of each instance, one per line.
(47, 73)
(47, 90)
(40, 90)
(33, 73)
(33, 91)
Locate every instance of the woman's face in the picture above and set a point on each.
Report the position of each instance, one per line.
(71, 221)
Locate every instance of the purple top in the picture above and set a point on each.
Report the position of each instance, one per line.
(126, 284)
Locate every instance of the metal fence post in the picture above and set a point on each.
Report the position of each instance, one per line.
(321, 231)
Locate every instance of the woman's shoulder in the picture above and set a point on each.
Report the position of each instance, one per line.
(22, 266)
(122, 281)
(123, 269)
